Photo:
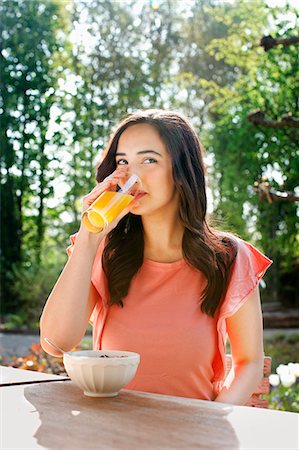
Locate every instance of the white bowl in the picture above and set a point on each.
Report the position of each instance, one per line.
(100, 376)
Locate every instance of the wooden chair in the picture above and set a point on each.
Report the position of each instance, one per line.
(263, 388)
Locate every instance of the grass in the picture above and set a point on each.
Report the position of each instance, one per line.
(282, 349)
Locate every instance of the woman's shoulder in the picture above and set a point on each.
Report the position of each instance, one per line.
(249, 267)
(246, 251)
(239, 246)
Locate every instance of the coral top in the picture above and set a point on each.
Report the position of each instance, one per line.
(182, 350)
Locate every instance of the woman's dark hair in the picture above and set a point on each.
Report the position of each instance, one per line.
(209, 250)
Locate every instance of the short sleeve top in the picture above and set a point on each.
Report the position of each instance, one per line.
(182, 350)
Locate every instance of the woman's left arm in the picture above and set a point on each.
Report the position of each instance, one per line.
(245, 332)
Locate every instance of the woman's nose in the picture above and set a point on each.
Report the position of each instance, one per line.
(134, 170)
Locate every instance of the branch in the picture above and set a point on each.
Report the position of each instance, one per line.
(267, 193)
(269, 42)
(287, 121)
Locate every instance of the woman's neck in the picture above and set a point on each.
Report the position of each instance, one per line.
(163, 238)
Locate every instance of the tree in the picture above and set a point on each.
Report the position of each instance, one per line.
(245, 152)
(123, 67)
(29, 48)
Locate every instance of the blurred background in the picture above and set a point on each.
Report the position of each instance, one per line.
(70, 70)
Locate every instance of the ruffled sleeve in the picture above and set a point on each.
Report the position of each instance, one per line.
(247, 270)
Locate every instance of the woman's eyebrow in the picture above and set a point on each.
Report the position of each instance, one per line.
(142, 152)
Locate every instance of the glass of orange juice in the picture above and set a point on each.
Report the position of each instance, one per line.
(109, 205)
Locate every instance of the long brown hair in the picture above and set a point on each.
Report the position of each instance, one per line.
(209, 250)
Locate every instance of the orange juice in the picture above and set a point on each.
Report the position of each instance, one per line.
(104, 210)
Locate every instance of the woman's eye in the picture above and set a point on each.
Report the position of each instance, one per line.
(145, 160)
(150, 160)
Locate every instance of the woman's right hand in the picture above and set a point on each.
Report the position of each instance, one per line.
(108, 183)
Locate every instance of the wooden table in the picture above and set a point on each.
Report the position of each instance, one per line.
(57, 415)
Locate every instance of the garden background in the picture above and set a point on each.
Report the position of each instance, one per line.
(70, 70)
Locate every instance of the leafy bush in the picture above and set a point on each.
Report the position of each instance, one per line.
(282, 348)
(31, 284)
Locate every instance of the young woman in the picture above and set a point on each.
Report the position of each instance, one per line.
(160, 281)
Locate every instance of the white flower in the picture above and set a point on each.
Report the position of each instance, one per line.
(274, 380)
(294, 369)
(288, 379)
(282, 369)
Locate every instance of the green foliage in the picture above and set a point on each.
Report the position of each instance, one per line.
(14, 321)
(282, 349)
(244, 153)
(31, 282)
(30, 50)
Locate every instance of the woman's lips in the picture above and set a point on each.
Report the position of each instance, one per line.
(139, 195)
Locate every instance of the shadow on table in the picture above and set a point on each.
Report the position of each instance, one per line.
(131, 420)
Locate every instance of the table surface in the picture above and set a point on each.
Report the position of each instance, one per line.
(38, 415)
(11, 376)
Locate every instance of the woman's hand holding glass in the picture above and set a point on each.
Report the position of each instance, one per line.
(92, 220)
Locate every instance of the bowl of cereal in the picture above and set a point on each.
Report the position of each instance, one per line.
(101, 373)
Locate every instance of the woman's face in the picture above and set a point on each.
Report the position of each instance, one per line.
(142, 149)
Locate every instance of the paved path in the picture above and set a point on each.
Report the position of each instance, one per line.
(271, 332)
(19, 344)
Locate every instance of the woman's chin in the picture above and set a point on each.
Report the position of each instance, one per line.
(136, 210)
